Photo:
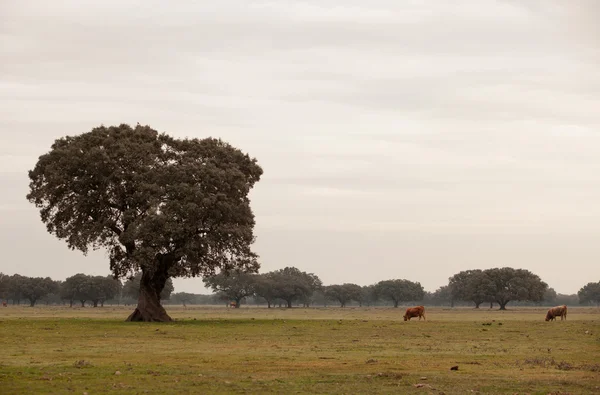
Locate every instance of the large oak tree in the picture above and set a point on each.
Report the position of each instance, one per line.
(164, 206)
(514, 284)
(399, 290)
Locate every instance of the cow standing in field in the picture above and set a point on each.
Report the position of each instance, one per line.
(4, 304)
(417, 311)
(555, 312)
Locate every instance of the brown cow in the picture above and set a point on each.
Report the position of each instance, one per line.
(417, 311)
(556, 312)
(4, 304)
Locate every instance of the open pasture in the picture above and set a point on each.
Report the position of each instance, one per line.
(317, 350)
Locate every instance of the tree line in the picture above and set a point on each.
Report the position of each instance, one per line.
(79, 288)
(290, 286)
(499, 286)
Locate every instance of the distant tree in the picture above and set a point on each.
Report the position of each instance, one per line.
(183, 297)
(590, 293)
(16, 285)
(98, 289)
(343, 293)
(166, 207)
(318, 298)
(234, 285)
(566, 299)
(131, 287)
(442, 296)
(549, 296)
(368, 295)
(515, 284)
(471, 285)
(73, 288)
(399, 291)
(291, 284)
(265, 286)
(34, 288)
(52, 298)
(4, 285)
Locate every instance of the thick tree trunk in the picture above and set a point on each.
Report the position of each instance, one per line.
(491, 305)
(396, 303)
(268, 304)
(237, 303)
(82, 303)
(95, 302)
(71, 303)
(149, 308)
(289, 304)
(503, 305)
(477, 305)
(31, 302)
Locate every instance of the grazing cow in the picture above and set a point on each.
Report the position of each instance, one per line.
(417, 311)
(232, 304)
(4, 304)
(556, 312)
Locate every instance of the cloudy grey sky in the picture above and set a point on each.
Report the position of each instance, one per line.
(400, 139)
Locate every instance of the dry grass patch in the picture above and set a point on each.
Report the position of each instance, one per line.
(252, 350)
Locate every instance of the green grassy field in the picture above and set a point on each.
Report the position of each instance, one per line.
(257, 350)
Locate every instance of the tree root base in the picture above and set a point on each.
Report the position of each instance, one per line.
(148, 316)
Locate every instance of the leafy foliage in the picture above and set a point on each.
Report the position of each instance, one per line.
(73, 288)
(159, 205)
(514, 284)
(343, 293)
(590, 293)
(234, 286)
(471, 285)
(96, 289)
(292, 285)
(4, 285)
(34, 288)
(441, 296)
(368, 295)
(265, 286)
(549, 296)
(399, 291)
(184, 298)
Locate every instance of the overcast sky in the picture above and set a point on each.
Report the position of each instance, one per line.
(399, 139)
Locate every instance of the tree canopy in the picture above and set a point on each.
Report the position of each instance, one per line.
(265, 286)
(514, 284)
(234, 286)
(471, 285)
(293, 285)
(343, 293)
(73, 288)
(399, 291)
(4, 286)
(34, 288)
(590, 293)
(166, 207)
